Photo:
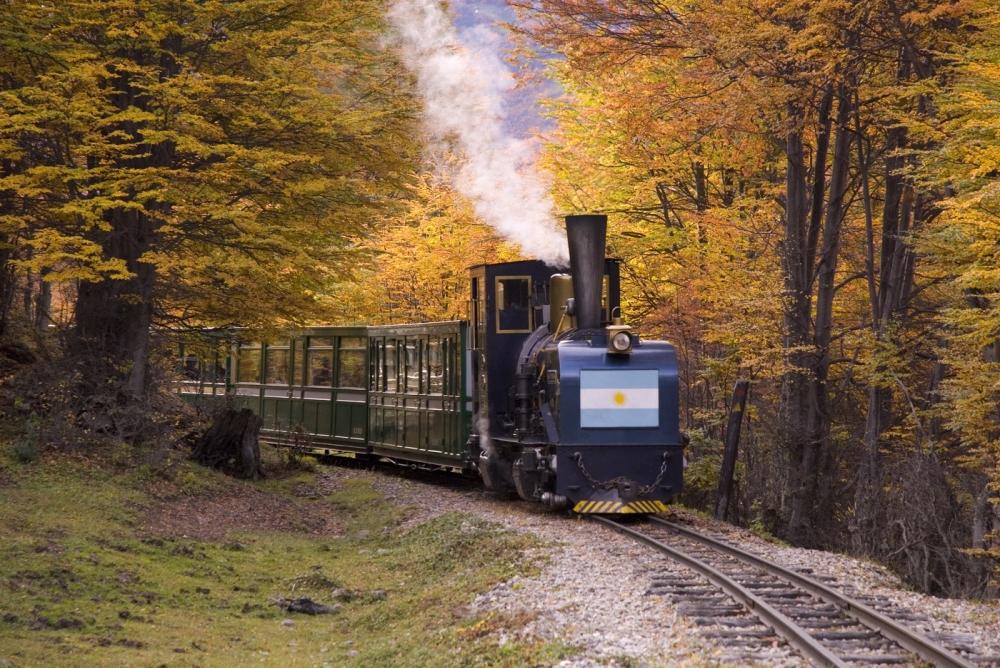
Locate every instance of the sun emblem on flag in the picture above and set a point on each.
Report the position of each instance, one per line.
(619, 398)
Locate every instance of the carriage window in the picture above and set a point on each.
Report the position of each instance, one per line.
(321, 367)
(215, 369)
(390, 365)
(192, 367)
(352, 342)
(276, 366)
(449, 346)
(412, 367)
(352, 362)
(299, 362)
(435, 367)
(248, 367)
(320, 341)
(376, 353)
(513, 296)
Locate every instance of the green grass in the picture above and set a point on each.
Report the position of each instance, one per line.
(80, 584)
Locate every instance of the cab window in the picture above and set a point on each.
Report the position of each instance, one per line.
(513, 299)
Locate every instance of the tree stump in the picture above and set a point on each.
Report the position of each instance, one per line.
(232, 443)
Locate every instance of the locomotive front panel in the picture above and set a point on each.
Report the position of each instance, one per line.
(620, 447)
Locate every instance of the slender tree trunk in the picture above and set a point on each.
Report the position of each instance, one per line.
(700, 187)
(811, 501)
(732, 442)
(889, 287)
(8, 282)
(868, 491)
(43, 305)
(28, 293)
(796, 315)
(728, 187)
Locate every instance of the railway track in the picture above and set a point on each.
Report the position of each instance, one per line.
(760, 602)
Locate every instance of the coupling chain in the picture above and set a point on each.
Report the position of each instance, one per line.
(611, 483)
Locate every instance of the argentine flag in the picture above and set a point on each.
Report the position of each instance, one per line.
(619, 398)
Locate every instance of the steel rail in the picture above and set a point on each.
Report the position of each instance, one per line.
(923, 647)
(795, 635)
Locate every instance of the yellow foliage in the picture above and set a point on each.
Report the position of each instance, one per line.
(416, 267)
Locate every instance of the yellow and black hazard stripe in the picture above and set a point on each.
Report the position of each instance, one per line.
(598, 507)
(607, 507)
(647, 507)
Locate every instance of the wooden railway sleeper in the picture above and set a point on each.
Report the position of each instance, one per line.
(726, 621)
(887, 659)
(763, 632)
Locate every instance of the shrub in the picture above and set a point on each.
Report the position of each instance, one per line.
(26, 445)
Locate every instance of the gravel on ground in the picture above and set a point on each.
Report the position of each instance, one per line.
(591, 588)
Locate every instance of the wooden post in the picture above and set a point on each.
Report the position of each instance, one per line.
(736, 409)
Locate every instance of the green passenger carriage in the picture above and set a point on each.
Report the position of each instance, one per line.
(398, 391)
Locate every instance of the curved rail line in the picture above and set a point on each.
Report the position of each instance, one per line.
(795, 634)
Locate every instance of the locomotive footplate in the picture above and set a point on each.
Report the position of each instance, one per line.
(619, 478)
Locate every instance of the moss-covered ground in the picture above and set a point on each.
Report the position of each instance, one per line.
(85, 580)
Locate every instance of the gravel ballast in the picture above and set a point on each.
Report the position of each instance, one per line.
(592, 587)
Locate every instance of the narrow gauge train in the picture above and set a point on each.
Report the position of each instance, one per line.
(542, 391)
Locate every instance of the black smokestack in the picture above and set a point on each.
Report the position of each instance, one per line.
(586, 235)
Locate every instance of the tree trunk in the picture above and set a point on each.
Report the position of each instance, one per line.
(43, 305)
(8, 282)
(868, 492)
(700, 187)
(232, 443)
(796, 315)
(113, 317)
(812, 502)
(889, 288)
(732, 442)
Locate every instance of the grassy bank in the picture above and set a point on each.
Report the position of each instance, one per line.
(88, 579)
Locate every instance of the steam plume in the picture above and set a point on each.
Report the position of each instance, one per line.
(462, 86)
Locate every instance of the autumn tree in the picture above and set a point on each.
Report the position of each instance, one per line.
(773, 142)
(417, 265)
(194, 162)
(962, 248)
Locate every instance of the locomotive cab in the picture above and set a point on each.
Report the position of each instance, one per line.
(572, 408)
(509, 302)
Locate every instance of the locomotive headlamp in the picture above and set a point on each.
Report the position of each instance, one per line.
(619, 337)
(621, 342)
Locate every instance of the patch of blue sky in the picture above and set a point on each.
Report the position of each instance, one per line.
(480, 24)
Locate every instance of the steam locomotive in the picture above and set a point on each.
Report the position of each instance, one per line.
(543, 391)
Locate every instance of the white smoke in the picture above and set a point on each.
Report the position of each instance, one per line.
(462, 85)
(483, 429)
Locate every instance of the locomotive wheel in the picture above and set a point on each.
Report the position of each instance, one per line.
(527, 482)
(496, 474)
